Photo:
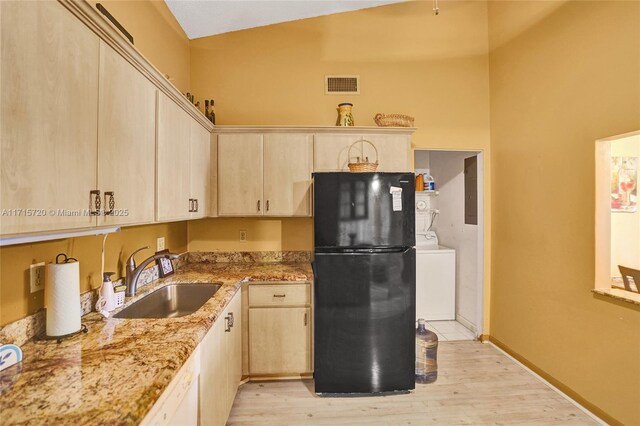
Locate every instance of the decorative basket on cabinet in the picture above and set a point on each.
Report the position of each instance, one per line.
(393, 120)
(362, 166)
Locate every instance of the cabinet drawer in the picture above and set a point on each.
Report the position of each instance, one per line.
(279, 295)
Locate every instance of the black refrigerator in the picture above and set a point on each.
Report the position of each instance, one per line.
(365, 282)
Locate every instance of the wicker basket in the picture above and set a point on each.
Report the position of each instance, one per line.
(393, 120)
(362, 166)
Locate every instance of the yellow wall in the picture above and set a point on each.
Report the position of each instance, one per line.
(563, 74)
(16, 301)
(156, 34)
(434, 68)
(223, 234)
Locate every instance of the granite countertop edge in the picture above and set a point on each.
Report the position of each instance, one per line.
(116, 372)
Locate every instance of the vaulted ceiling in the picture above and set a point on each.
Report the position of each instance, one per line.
(201, 18)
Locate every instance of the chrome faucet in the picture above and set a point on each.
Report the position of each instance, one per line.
(133, 271)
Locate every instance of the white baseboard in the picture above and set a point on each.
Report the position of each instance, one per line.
(558, 391)
(462, 320)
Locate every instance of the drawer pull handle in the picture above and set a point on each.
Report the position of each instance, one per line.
(227, 327)
(279, 295)
(305, 318)
(231, 321)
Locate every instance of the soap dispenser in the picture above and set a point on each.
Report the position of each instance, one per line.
(106, 292)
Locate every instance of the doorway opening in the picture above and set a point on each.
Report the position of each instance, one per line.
(450, 242)
(618, 216)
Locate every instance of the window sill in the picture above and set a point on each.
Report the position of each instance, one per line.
(618, 294)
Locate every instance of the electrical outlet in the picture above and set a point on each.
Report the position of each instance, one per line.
(160, 244)
(36, 272)
(243, 236)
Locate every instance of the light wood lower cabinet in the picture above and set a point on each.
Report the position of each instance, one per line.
(203, 391)
(178, 404)
(234, 350)
(280, 341)
(221, 354)
(279, 330)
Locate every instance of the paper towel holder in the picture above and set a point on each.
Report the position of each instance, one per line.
(59, 339)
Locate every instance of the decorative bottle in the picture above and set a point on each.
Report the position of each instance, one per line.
(426, 354)
(212, 113)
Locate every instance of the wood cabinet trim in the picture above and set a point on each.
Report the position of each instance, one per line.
(314, 129)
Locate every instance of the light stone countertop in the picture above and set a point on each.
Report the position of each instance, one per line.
(117, 371)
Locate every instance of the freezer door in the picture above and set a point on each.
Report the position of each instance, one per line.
(364, 322)
(361, 210)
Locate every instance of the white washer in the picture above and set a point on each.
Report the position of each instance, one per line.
(435, 283)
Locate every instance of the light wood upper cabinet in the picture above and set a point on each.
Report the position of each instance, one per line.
(240, 162)
(200, 167)
(394, 152)
(213, 183)
(49, 112)
(331, 151)
(173, 156)
(126, 141)
(287, 174)
(264, 175)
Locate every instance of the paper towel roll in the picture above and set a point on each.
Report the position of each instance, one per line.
(62, 298)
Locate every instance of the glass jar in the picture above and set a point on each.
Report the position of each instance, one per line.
(426, 354)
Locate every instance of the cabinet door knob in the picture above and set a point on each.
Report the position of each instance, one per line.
(95, 201)
(110, 201)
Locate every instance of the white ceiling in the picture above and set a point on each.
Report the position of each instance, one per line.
(201, 18)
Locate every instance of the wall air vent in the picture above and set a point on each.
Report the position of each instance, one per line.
(342, 84)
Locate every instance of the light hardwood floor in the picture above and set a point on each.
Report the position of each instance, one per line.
(476, 385)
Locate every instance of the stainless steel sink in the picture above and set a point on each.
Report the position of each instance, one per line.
(172, 301)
